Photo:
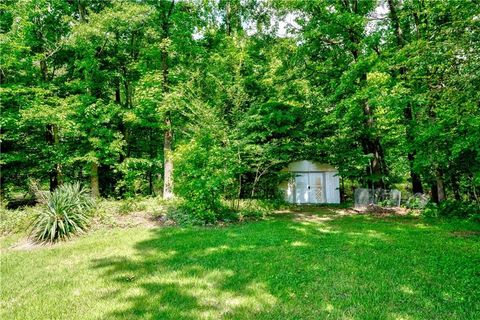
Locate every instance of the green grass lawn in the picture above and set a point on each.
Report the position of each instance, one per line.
(291, 266)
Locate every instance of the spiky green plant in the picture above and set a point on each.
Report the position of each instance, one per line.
(66, 212)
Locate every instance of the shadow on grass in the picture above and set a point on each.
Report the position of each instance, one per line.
(289, 267)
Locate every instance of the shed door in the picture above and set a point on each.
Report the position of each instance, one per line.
(301, 188)
(317, 187)
(332, 181)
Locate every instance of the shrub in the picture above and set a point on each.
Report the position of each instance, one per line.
(451, 208)
(430, 210)
(417, 201)
(187, 213)
(204, 174)
(65, 213)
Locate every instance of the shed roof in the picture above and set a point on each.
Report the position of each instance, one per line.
(309, 166)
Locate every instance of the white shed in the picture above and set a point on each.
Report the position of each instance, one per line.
(312, 182)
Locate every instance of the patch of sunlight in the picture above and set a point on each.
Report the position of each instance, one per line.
(232, 235)
(312, 218)
(406, 289)
(341, 212)
(356, 234)
(133, 292)
(283, 211)
(327, 230)
(299, 229)
(213, 300)
(298, 244)
(165, 255)
(244, 247)
(377, 235)
(397, 316)
(329, 307)
(369, 234)
(224, 248)
(216, 249)
(425, 226)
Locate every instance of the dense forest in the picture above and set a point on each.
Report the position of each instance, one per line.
(209, 99)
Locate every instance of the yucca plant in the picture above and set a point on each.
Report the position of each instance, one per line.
(66, 212)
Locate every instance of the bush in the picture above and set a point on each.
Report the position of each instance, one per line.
(204, 174)
(65, 213)
(188, 213)
(451, 208)
(417, 201)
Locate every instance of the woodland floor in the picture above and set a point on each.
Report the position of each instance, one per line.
(313, 263)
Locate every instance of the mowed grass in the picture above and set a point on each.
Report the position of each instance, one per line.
(312, 265)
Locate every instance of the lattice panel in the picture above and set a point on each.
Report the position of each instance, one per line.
(319, 193)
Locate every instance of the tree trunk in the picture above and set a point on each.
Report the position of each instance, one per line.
(168, 136)
(440, 186)
(82, 12)
(239, 191)
(395, 23)
(94, 184)
(44, 69)
(152, 157)
(150, 182)
(228, 19)
(408, 114)
(372, 145)
(416, 180)
(52, 138)
(454, 178)
(53, 180)
(342, 190)
(434, 191)
(168, 163)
